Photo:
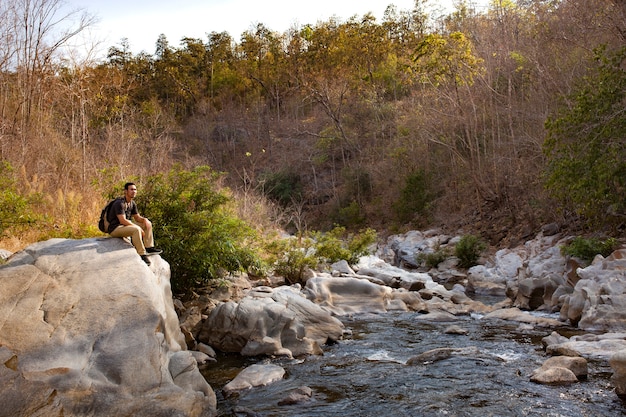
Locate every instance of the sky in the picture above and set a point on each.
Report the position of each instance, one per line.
(142, 21)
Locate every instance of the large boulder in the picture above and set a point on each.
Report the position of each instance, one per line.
(598, 300)
(492, 279)
(596, 347)
(347, 295)
(270, 321)
(378, 287)
(403, 250)
(536, 293)
(87, 328)
(515, 314)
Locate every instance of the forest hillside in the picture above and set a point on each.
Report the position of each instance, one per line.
(494, 122)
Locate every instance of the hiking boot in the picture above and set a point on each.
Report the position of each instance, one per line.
(145, 259)
(154, 251)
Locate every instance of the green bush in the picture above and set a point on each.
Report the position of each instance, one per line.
(586, 249)
(201, 238)
(337, 245)
(17, 209)
(350, 215)
(468, 250)
(294, 257)
(433, 259)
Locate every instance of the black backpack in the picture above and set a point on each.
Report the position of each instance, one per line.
(103, 224)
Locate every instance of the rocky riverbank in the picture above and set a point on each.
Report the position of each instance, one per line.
(257, 319)
(87, 327)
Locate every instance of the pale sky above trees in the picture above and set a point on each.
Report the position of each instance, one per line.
(142, 21)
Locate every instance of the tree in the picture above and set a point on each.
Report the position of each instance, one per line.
(586, 145)
(192, 222)
(40, 31)
(447, 66)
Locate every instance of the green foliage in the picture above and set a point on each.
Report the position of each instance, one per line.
(294, 256)
(415, 199)
(202, 240)
(359, 244)
(284, 187)
(350, 215)
(586, 146)
(337, 244)
(433, 259)
(447, 58)
(586, 249)
(15, 209)
(468, 250)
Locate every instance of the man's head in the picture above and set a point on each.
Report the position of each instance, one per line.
(130, 190)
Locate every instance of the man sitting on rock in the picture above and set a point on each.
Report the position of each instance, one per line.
(140, 231)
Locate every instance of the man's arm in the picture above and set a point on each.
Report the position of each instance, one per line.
(140, 219)
(123, 221)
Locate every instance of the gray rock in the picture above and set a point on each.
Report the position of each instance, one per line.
(591, 346)
(347, 295)
(576, 364)
(515, 314)
(254, 376)
(618, 379)
(553, 376)
(88, 325)
(598, 300)
(270, 321)
(550, 229)
(342, 268)
(439, 354)
(297, 396)
(454, 329)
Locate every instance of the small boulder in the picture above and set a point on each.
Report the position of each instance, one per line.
(297, 396)
(560, 370)
(454, 329)
(553, 376)
(254, 376)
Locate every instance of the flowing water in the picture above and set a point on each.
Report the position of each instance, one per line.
(366, 375)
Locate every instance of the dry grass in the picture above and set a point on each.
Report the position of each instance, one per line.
(59, 214)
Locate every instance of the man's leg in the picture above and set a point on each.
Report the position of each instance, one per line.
(134, 232)
(148, 239)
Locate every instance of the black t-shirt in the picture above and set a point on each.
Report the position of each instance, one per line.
(120, 206)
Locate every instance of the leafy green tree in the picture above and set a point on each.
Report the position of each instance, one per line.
(224, 82)
(415, 199)
(265, 65)
(200, 237)
(284, 187)
(586, 142)
(180, 74)
(447, 59)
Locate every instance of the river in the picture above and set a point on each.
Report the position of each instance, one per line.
(366, 374)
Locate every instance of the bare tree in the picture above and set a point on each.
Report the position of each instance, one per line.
(34, 32)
